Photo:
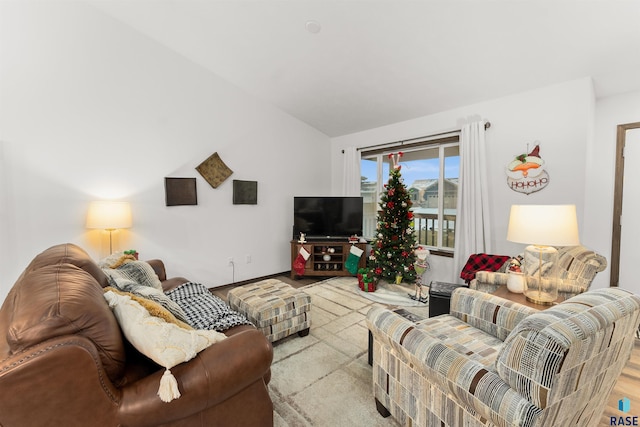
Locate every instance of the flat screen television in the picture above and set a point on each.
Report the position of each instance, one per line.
(327, 218)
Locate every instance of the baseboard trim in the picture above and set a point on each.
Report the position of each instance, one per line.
(256, 279)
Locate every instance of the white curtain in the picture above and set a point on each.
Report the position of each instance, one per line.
(351, 172)
(473, 221)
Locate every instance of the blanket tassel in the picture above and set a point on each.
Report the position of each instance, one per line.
(168, 387)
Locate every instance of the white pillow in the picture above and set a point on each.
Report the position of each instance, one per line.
(165, 343)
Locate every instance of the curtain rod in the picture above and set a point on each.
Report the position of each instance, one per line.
(487, 125)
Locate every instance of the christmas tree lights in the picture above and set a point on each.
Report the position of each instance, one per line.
(392, 256)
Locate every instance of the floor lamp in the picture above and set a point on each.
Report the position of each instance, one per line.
(542, 227)
(109, 216)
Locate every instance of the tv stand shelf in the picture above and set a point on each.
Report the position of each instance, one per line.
(327, 258)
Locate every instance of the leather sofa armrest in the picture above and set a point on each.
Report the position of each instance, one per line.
(161, 272)
(54, 373)
(158, 267)
(215, 374)
(173, 283)
(492, 314)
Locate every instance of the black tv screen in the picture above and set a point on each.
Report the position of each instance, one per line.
(327, 217)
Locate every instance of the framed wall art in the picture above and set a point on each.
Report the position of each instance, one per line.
(180, 191)
(214, 170)
(245, 192)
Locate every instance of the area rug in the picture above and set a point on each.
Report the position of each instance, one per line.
(399, 295)
(324, 379)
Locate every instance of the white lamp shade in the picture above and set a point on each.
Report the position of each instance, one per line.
(109, 215)
(550, 225)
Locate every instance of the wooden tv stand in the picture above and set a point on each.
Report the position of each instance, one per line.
(334, 265)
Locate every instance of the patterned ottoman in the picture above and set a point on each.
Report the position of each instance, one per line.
(274, 307)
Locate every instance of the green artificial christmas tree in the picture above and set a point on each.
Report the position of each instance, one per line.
(392, 256)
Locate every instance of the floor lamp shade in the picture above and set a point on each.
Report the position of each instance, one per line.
(110, 216)
(542, 227)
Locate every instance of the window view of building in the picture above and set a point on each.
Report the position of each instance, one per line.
(430, 173)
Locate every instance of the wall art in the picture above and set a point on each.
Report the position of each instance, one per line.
(527, 172)
(180, 191)
(214, 170)
(245, 192)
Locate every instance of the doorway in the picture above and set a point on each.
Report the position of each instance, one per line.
(626, 208)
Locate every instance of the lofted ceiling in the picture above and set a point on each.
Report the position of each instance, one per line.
(374, 63)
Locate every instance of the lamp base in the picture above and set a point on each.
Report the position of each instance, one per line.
(540, 298)
(541, 284)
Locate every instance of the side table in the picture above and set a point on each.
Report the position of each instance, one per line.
(440, 297)
(505, 293)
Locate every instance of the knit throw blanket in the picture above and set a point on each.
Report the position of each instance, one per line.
(205, 310)
(138, 278)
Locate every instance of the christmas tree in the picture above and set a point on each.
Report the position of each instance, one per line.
(392, 256)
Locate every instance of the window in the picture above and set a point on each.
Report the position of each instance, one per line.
(430, 171)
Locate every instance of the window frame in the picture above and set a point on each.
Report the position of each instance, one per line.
(441, 143)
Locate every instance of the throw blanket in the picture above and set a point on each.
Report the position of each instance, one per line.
(205, 310)
(482, 262)
(138, 278)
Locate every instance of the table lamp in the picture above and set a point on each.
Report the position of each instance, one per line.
(542, 227)
(109, 216)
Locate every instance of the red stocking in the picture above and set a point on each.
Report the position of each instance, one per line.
(300, 261)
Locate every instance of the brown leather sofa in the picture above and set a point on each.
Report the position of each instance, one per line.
(65, 362)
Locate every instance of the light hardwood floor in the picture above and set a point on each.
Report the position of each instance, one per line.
(628, 384)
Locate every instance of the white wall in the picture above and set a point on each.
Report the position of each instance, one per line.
(610, 112)
(559, 117)
(90, 109)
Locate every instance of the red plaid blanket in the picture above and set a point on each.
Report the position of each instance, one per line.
(482, 262)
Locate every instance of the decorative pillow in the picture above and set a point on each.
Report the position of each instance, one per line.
(115, 260)
(165, 343)
(159, 297)
(138, 271)
(139, 278)
(153, 308)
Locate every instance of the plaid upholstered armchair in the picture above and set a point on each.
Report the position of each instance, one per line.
(493, 362)
(576, 268)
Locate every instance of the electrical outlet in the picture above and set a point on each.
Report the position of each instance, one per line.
(248, 259)
(230, 261)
